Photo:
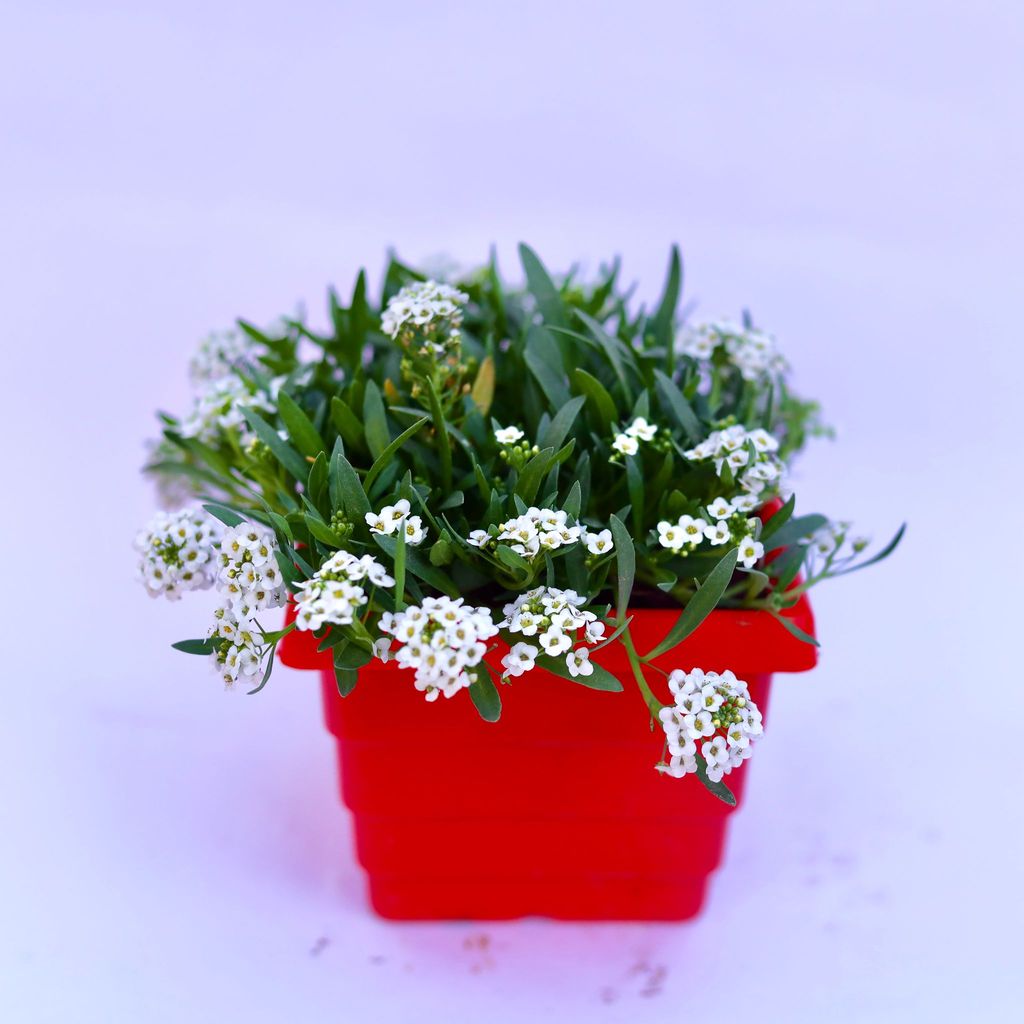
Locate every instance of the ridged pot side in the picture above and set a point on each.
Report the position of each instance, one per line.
(555, 809)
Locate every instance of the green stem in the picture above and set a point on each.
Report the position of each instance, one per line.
(653, 704)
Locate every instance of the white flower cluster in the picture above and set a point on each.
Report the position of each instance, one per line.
(426, 308)
(177, 552)
(535, 531)
(687, 533)
(628, 443)
(218, 354)
(443, 640)
(392, 517)
(218, 407)
(749, 454)
(555, 618)
(334, 593)
(716, 709)
(250, 580)
(754, 353)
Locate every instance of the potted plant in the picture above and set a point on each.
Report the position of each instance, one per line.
(539, 544)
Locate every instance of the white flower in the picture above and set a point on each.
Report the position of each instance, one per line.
(239, 647)
(578, 662)
(599, 543)
(382, 649)
(594, 632)
(333, 595)
(536, 530)
(249, 574)
(692, 529)
(177, 552)
(641, 429)
(625, 444)
(554, 641)
(720, 509)
(745, 502)
(763, 441)
(750, 551)
(520, 658)
(425, 307)
(443, 641)
(718, 533)
(752, 352)
(508, 435)
(671, 536)
(730, 723)
(386, 521)
(414, 532)
(478, 538)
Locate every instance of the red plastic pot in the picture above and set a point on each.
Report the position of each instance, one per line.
(554, 810)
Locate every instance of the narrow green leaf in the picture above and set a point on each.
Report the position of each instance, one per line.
(346, 423)
(281, 450)
(719, 789)
(543, 289)
(779, 519)
(794, 629)
(197, 646)
(226, 515)
(419, 567)
(625, 561)
(346, 490)
(345, 679)
(571, 505)
(375, 421)
(558, 429)
(674, 402)
(663, 321)
(797, 529)
(597, 393)
(299, 426)
(884, 553)
(544, 361)
(484, 694)
(266, 675)
(385, 457)
(400, 552)
(599, 679)
(708, 594)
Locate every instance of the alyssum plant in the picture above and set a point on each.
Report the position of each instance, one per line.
(468, 467)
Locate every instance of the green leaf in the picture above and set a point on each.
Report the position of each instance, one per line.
(375, 421)
(205, 647)
(444, 447)
(559, 427)
(484, 694)
(674, 402)
(597, 393)
(884, 553)
(543, 289)
(483, 387)
(719, 789)
(346, 423)
(266, 675)
(708, 594)
(385, 457)
(514, 561)
(226, 515)
(779, 519)
(625, 561)
(351, 656)
(533, 473)
(544, 361)
(346, 490)
(571, 506)
(345, 679)
(400, 552)
(662, 323)
(282, 451)
(322, 531)
(299, 426)
(794, 629)
(419, 566)
(616, 352)
(797, 529)
(599, 679)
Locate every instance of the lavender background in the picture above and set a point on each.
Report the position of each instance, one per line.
(850, 172)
